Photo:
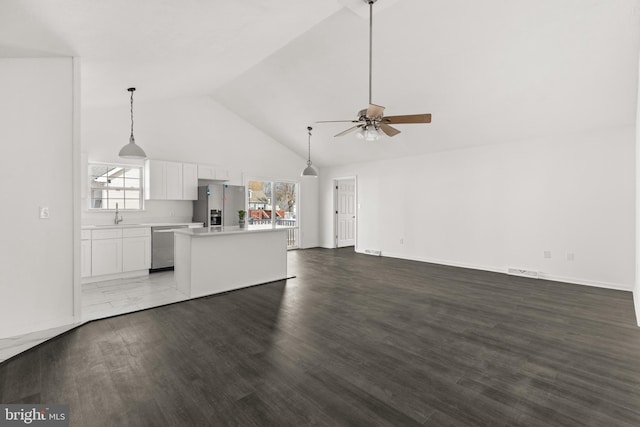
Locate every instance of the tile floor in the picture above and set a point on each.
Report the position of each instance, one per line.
(113, 297)
(104, 299)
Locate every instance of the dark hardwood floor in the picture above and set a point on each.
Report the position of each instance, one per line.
(352, 340)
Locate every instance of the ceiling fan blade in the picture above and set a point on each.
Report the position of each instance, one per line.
(390, 131)
(375, 111)
(411, 118)
(338, 121)
(344, 132)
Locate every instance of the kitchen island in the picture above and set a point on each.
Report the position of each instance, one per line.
(213, 260)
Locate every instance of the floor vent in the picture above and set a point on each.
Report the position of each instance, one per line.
(372, 252)
(524, 273)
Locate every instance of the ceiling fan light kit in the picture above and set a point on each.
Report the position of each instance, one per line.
(132, 150)
(368, 133)
(371, 120)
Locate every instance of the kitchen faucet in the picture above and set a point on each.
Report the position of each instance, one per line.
(117, 220)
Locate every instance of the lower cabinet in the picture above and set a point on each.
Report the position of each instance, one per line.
(136, 253)
(106, 256)
(116, 250)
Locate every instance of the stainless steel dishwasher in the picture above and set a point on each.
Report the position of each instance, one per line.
(162, 247)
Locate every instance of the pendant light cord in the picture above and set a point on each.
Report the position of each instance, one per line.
(131, 112)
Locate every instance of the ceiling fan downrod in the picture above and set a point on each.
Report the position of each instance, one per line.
(370, 3)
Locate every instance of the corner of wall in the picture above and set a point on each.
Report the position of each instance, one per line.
(636, 304)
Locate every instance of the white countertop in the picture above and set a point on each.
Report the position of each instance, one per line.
(219, 231)
(154, 224)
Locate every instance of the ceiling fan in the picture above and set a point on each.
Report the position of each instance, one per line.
(371, 120)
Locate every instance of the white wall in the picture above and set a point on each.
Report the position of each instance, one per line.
(197, 130)
(36, 169)
(502, 206)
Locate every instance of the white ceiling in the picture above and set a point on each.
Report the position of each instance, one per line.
(494, 71)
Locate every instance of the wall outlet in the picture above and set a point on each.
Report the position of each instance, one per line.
(547, 254)
(44, 212)
(570, 256)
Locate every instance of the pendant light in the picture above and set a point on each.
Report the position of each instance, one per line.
(309, 170)
(131, 150)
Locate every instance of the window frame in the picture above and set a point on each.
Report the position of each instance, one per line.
(109, 165)
(294, 240)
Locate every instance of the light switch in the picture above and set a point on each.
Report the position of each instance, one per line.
(44, 212)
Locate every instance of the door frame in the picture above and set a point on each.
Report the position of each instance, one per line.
(335, 208)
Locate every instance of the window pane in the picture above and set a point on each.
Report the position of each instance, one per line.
(116, 182)
(132, 194)
(97, 204)
(285, 196)
(131, 204)
(132, 173)
(111, 184)
(259, 215)
(131, 183)
(98, 175)
(111, 203)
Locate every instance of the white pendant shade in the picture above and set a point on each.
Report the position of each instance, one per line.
(309, 171)
(131, 150)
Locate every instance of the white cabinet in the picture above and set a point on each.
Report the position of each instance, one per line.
(136, 249)
(217, 173)
(155, 180)
(106, 251)
(116, 250)
(189, 181)
(234, 177)
(174, 180)
(206, 172)
(166, 180)
(136, 254)
(222, 174)
(85, 253)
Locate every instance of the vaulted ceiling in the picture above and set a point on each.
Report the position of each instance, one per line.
(494, 71)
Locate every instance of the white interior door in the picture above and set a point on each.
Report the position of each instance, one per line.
(345, 212)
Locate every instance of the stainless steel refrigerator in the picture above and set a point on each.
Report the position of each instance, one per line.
(218, 204)
(234, 200)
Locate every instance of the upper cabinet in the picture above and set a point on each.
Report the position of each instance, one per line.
(155, 180)
(206, 172)
(166, 180)
(216, 173)
(234, 177)
(189, 181)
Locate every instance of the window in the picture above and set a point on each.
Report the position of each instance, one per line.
(115, 184)
(274, 205)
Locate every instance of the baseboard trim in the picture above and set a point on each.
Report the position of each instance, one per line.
(443, 262)
(584, 282)
(39, 326)
(543, 276)
(105, 277)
